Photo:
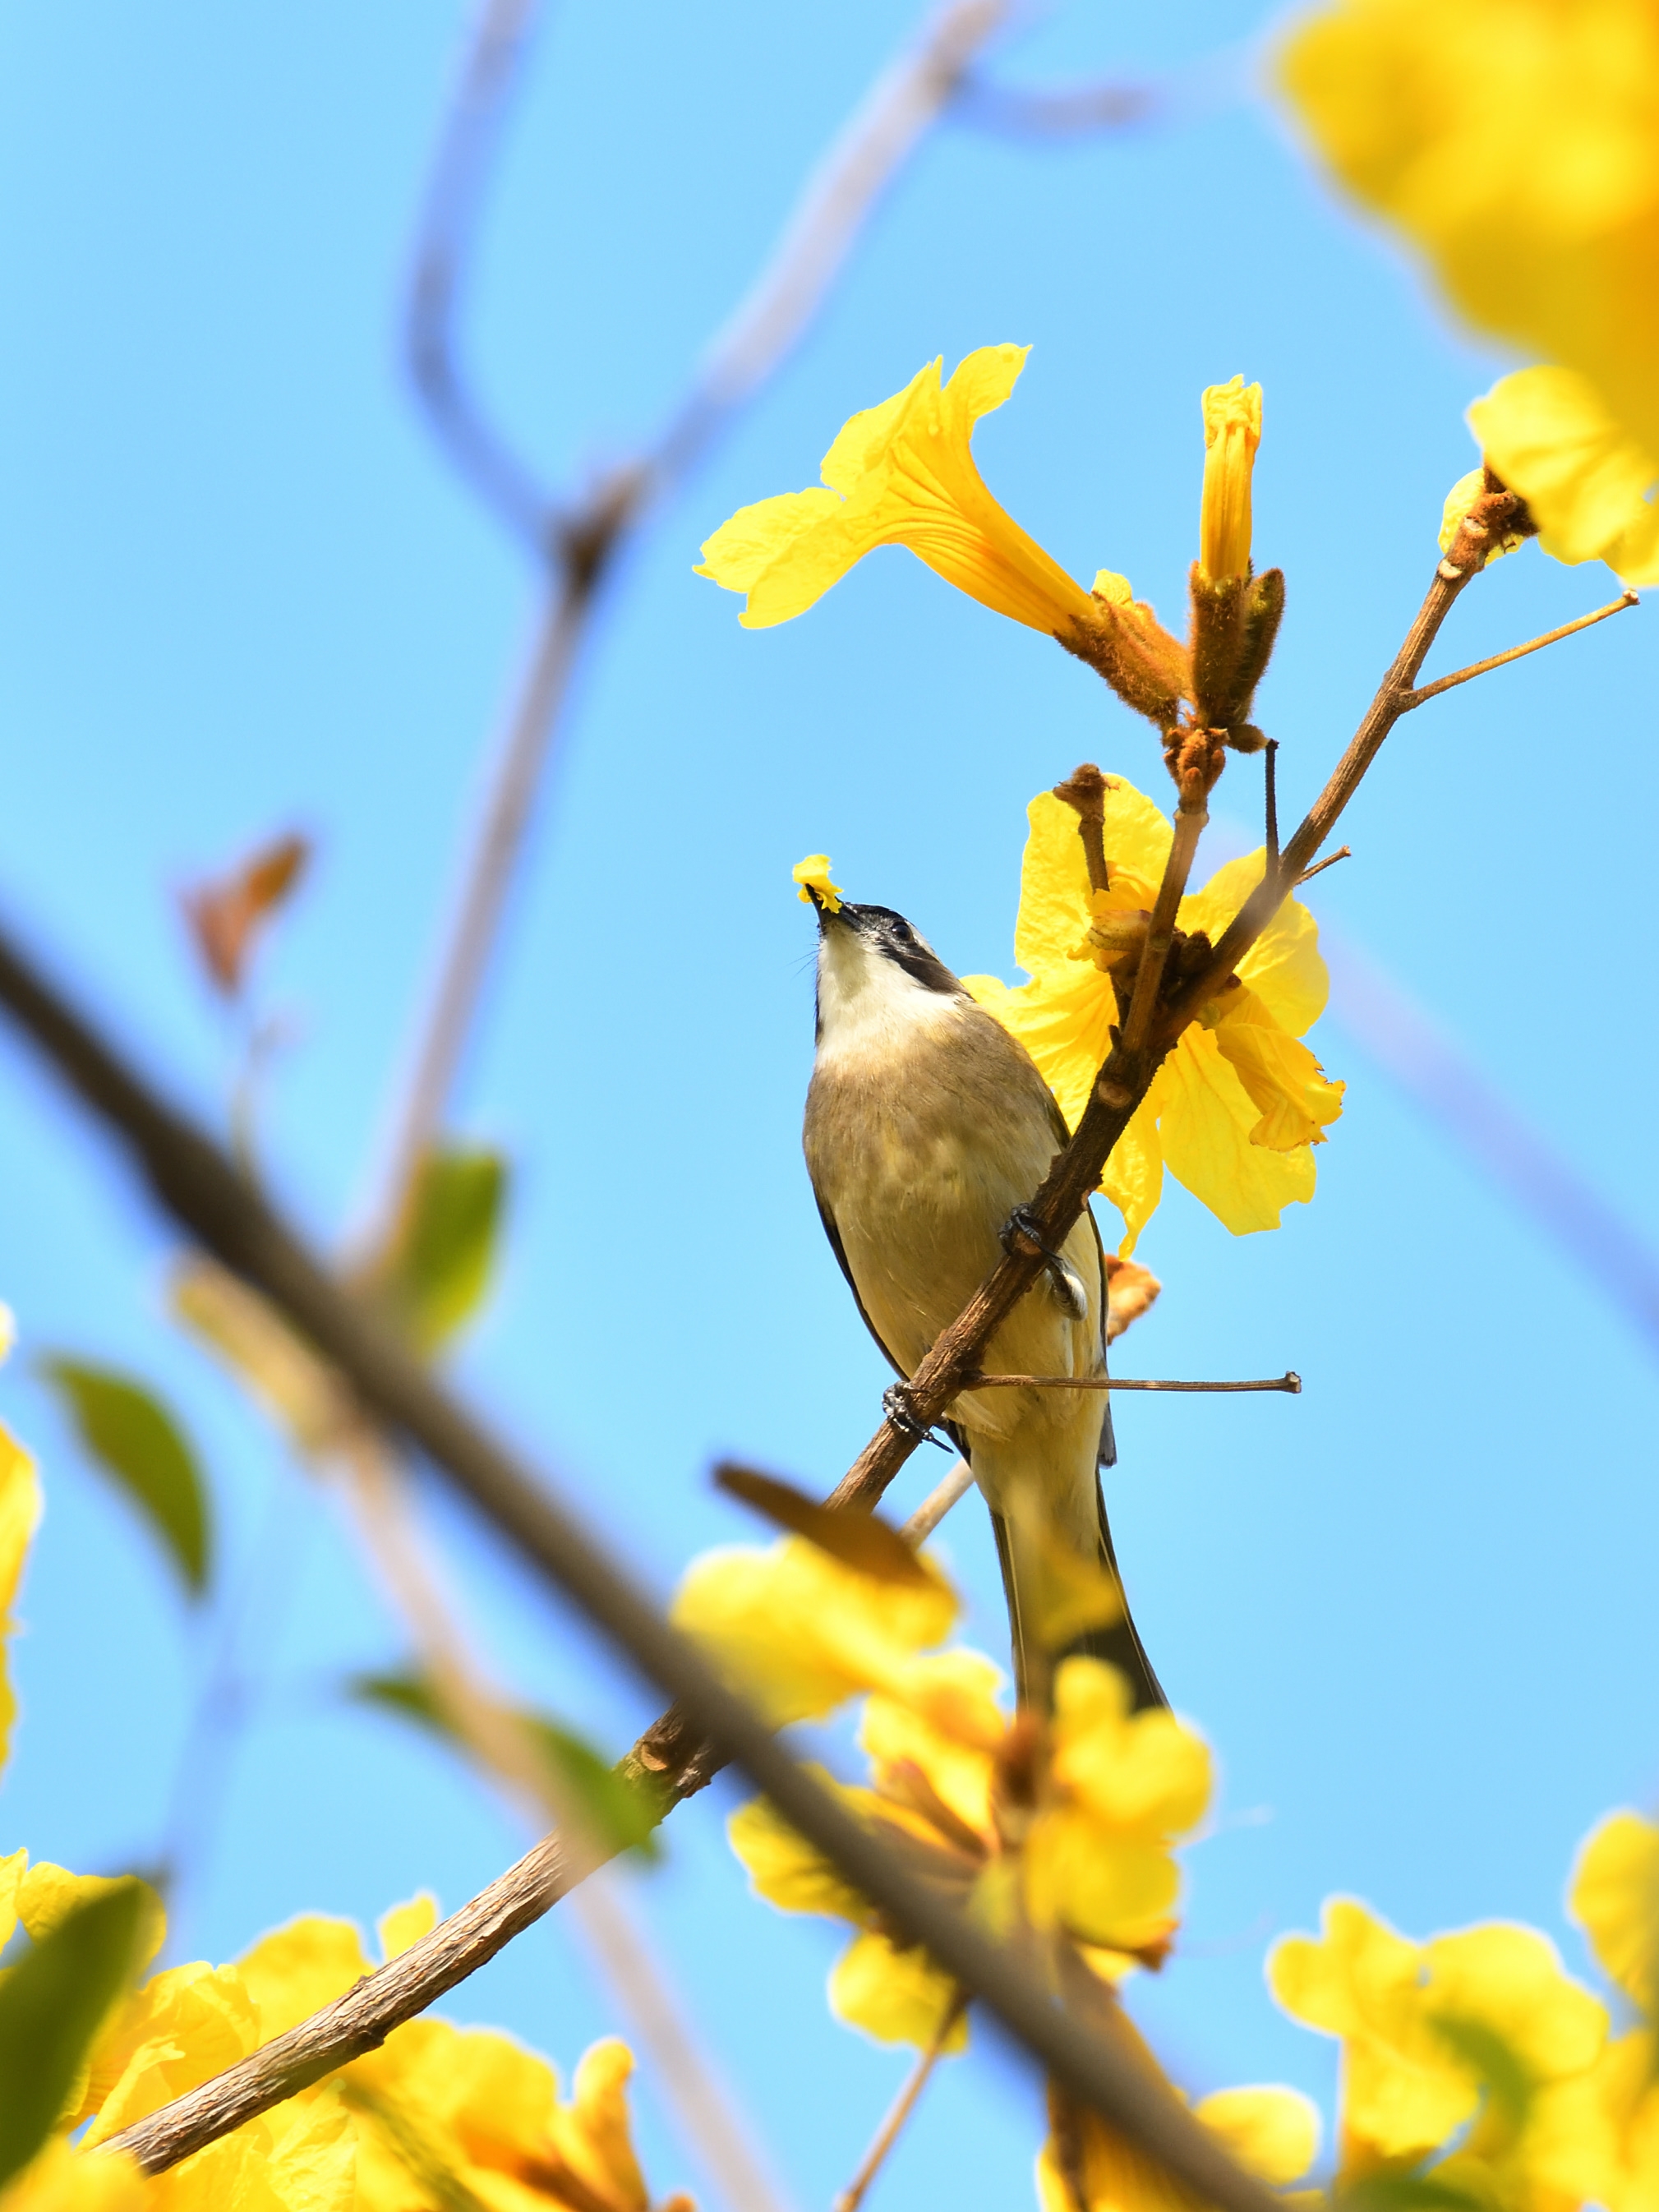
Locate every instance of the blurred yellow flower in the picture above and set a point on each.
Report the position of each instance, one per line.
(65, 2180)
(1232, 431)
(1273, 2132)
(1614, 1897)
(813, 874)
(1517, 146)
(900, 474)
(438, 2115)
(1477, 2045)
(802, 1633)
(20, 1514)
(1070, 1833)
(1588, 485)
(1237, 1107)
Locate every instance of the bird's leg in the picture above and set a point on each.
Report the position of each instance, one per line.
(895, 1404)
(1021, 1226)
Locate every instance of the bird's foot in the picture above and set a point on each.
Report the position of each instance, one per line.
(896, 1405)
(1022, 1228)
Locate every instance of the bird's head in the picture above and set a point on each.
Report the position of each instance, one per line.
(876, 973)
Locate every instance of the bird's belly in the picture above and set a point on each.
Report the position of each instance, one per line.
(919, 1199)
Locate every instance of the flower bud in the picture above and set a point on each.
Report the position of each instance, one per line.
(1232, 431)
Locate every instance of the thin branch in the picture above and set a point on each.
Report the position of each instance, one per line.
(1491, 514)
(1289, 1381)
(899, 2111)
(199, 1186)
(467, 146)
(472, 932)
(1517, 652)
(937, 1503)
(1342, 853)
(1057, 114)
(835, 204)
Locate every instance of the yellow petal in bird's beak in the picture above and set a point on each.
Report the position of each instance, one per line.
(813, 876)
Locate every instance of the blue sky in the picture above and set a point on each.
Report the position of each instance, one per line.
(1411, 1609)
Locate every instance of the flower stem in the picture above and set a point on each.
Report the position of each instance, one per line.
(900, 2110)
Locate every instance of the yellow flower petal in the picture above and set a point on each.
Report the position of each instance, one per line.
(1404, 2090)
(185, 2026)
(897, 1996)
(1519, 149)
(1205, 1127)
(1551, 437)
(65, 2180)
(20, 1515)
(1509, 1984)
(1232, 431)
(1614, 1897)
(598, 2106)
(785, 1869)
(1272, 2131)
(756, 537)
(47, 1894)
(1284, 967)
(902, 474)
(296, 1971)
(956, 1760)
(406, 1923)
(800, 1632)
(1281, 1075)
(813, 874)
(1054, 876)
(1145, 1773)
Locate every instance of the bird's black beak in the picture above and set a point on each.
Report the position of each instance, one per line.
(821, 905)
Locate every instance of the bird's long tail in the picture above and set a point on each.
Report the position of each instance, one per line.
(1119, 1642)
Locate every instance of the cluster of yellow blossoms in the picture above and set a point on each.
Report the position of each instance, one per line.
(1067, 1832)
(1517, 147)
(1235, 1109)
(1476, 2072)
(439, 2118)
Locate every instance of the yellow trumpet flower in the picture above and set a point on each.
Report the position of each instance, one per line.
(900, 474)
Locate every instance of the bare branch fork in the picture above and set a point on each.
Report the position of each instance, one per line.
(195, 1184)
(576, 542)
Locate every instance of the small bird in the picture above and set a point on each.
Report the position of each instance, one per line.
(928, 1127)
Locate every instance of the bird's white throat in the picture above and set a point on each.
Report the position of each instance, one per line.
(868, 1004)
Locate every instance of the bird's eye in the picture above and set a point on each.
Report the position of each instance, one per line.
(903, 932)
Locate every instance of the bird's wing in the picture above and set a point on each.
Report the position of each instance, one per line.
(957, 1435)
(1107, 1452)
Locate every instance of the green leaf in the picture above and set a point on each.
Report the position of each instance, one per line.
(131, 1435)
(618, 1812)
(52, 2003)
(445, 1253)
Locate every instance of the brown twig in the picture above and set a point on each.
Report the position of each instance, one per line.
(899, 2111)
(1289, 1381)
(1489, 516)
(1342, 853)
(206, 1195)
(1517, 652)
